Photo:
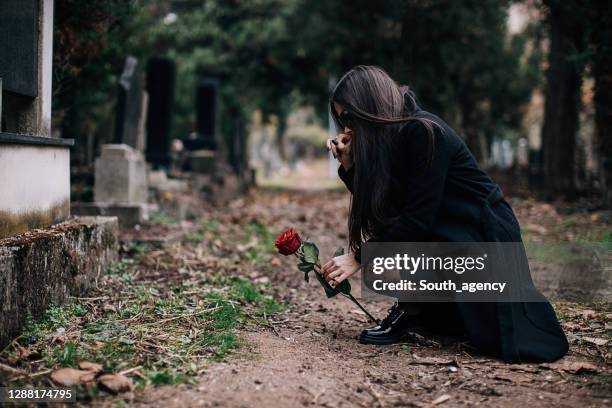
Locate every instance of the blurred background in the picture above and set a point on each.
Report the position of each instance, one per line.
(525, 83)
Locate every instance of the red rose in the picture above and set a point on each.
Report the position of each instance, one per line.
(288, 242)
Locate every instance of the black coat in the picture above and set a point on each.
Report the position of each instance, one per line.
(452, 200)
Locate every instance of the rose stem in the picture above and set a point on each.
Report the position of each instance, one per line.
(351, 297)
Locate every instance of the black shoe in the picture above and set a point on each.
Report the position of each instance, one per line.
(391, 329)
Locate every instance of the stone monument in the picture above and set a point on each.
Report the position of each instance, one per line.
(120, 176)
(131, 111)
(202, 145)
(44, 257)
(160, 87)
(120, 182)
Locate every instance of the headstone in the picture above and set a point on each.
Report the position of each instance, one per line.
(19, 56)
(160, 88)
(34, 167)
(206, 116)
(26, 65)
(120, 176)
(201, 161)
(130, 110)
(40, 264)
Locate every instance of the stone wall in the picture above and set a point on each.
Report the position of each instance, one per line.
(46, 266)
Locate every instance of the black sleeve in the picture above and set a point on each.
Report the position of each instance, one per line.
(347, 177)
(421, 184)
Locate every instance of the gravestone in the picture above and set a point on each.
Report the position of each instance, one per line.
(206, 108)
(131, 106)
(19, 56)
(40, 263)
(205, 137)
(121, 176)
(160, 87)
(26, 64)
(34, 168)
(120, 186)
(201, 146)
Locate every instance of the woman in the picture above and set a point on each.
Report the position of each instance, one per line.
(413, 179)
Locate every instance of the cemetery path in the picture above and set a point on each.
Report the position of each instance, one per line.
(308, 354)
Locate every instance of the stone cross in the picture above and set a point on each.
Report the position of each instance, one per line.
(131, 106)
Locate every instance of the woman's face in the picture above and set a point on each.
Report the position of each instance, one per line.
(339, 109)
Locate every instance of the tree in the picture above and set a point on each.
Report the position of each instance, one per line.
(272, 54)
(456, 55)
(601, 40)
(563, 86)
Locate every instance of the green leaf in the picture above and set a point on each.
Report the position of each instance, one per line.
(329, 291)
(305, 267)
(339, 251)
(344, 287)
(311, 252)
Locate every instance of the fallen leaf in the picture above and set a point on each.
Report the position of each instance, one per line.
(432, 360)
(572, 326)
(537, 228)
(115, 383)
(595, 340)
(530, 368)
(441, 399)
(109, 308)
(69, 376)
(88, 366)
(513, 377)
(586, 313)
(89, 378)
(25, 353)
(573, 367)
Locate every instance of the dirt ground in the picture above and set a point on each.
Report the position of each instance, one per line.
(309, 355)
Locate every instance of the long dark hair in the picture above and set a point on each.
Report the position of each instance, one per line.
(378, 108)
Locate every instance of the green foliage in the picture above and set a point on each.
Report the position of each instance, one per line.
(66, 355)
(166, 377)
(276, 54)
(311, 252)
(226, 316)
(202, 325)
(223, 343)
(309, 255)
(161, 218)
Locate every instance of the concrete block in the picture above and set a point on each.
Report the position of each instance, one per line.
(34, 182)
(120, 175)
(46, 266)
(128, 215)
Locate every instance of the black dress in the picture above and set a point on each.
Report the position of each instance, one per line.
(452, 200)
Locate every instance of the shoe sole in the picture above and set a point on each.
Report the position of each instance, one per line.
(379, 341)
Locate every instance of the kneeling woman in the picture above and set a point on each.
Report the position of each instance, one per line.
(414, 180)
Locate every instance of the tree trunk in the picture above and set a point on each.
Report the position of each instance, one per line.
(475, 138)
(281, 127)
(602, 73)
(563, 82)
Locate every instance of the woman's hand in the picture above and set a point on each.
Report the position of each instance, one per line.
(342, 150)
(340, 268)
